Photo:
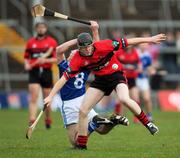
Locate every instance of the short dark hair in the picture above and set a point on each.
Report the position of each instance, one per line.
(40, 23)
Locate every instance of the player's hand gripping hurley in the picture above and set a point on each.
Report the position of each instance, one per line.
(43, 56)
(32, 127)
(40, 10)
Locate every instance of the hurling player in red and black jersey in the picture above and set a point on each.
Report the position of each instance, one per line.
(132, 66)
(39, 69)
(99, 57)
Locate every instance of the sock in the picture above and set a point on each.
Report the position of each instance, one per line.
(82, 140)
(135, 119)
(92, 126)
(117, 108)
(48, 121)
(143, 118)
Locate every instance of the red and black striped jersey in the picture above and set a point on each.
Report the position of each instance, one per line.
(36, 47)
(102, 62)
(130, 61)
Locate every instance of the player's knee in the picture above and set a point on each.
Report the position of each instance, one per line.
(33, 99)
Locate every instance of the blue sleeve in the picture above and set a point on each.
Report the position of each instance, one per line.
(62, 66)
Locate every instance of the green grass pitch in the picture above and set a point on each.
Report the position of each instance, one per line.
(123, 142)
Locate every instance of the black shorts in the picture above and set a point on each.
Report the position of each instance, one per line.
(41, 76)
(131, 82)
(108, 83)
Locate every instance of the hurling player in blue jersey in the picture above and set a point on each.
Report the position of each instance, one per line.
(72, 95)
(143, 78)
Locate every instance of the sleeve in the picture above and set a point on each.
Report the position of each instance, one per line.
(120, 43)
(26, 53)
(62, 65)
(73, 69)
(110, 45)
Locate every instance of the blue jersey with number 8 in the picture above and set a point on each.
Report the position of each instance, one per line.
(74, 87)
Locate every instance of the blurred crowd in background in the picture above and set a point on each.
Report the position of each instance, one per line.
(116, 19)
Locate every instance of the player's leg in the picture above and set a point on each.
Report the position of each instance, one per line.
(72, 131)
(91, 98)
(103, 125)
(70, 113)
(48, 119)
(102, 128)
(117, 107)
(148, 103)
(144, 87)
(115, 120)
(34, 89)
(46, 81)
(134, 94)
(123, 94)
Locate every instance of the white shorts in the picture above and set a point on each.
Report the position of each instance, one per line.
(70, 111)
(143, 84)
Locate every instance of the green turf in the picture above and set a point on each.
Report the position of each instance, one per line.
(123, 142)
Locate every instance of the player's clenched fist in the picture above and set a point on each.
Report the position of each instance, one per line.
(94, 25)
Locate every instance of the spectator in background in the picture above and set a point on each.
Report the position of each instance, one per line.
(143, 78)
(39, 56)
(153, 49)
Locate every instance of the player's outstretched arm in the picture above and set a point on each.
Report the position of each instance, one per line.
(63, 48)
(59, 84)
(157, 39)
(95, 30)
